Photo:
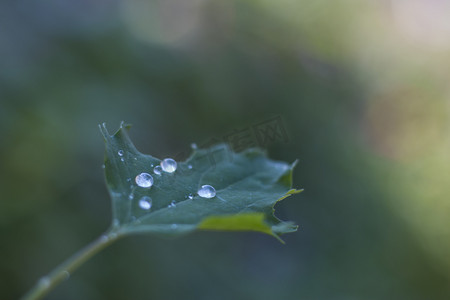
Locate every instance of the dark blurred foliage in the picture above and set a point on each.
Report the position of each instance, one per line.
(366, 115)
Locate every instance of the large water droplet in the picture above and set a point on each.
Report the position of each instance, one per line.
(207, 191)
(44, 282)
(120, 152)
(169, 165)
(145, 203)
(157, 170)
(144, 180)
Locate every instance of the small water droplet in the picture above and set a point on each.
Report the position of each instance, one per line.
(190, 167)
(121, 159)
(172, 204)
(207, 191)
(194, 146)
(120, 152)
(66, 274)
(131, 196)
(135, 158)
(103, 166)
(145, 202)
(144, 180)
(157, 170)
(190, 196)
(169, 165)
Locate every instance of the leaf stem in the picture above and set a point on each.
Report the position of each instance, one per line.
(47, 283)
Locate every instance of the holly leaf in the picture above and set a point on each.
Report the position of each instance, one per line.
(247, 186)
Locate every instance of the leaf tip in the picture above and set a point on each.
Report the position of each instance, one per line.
(125, 126)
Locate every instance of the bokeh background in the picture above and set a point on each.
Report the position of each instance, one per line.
(362, 88)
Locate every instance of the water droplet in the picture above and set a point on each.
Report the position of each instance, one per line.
(194, 146)
(207, 191)
(120, 152)
(121, 159)
(169, 165)
(144, 180)
(131, 196)
(190, 196)
(44, 282)
(65, 274)
(145, 202)
(190, 167)
(172, 204)
(157, 170)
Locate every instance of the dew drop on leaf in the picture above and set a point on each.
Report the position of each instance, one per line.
(120, 152)
(104, 238)
(207, 191)
(145, 203)
(66, 274)
(190, 167)
(172, 204)
(190, 196)
(144, 180)
(169, 165)
(157, 170)
(44, 282)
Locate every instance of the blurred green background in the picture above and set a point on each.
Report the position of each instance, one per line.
(362, 88)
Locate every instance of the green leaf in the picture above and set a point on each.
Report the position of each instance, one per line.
(247, 184)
